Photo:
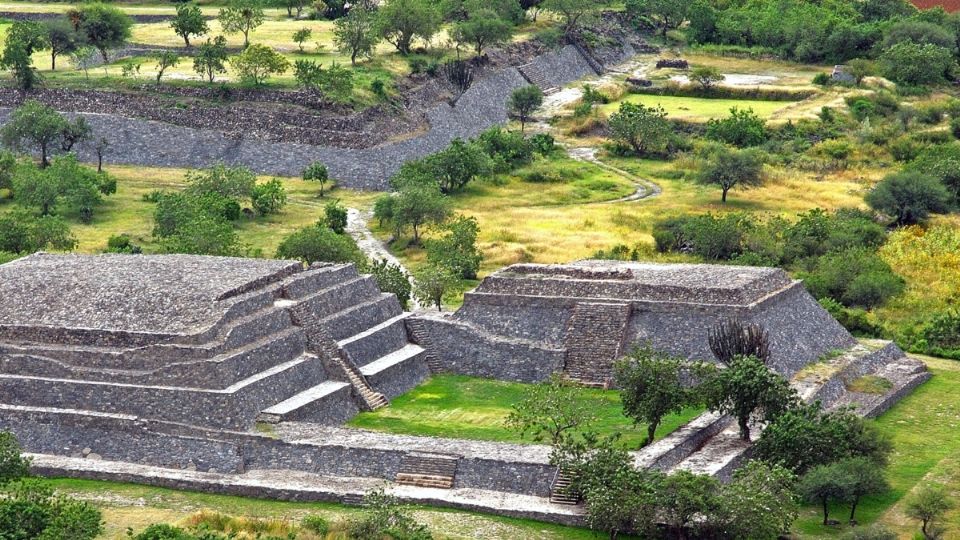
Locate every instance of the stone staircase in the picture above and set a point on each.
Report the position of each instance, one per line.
(423, 469)
(535, 76)
(420, 336)
(560, 492)
(594, 341)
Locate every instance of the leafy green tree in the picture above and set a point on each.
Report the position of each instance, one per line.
(942, 162)
(294, 5)
(34, 125)
(683, 496)
(335, 82)
(416, 205)
(391, 278)
(553, 411)
(32, 187)
(63, 39)
(257, 62)
(29, 509)
(84, 58)
(302, 35)
(728, 169)
(22, 40)
(524, 101)
(457, 250)
(759, 503)
(456, 165)
(22, 232)
(863, 477)
(165, 60)
(860, 69)
(335, 217)
(643, 129)
(807, 436)
(400, 21)
(189, 21)
(482, 29)
(572, 12)
(742, 128)
(241, 16)
(66, 179)
(211, 58)
(383, 209)
(909, 197)
(651, 386)
(319, 243)
(203, 233)
(928, 505)
(706, 76)
(269, 197)
(745, 388)
(13, 466)
(234, 182)
(385, 517)
(356, 34)
(856, 277)
(666, 14)
(104, 27)
(917, 64)
(316, 172)
(432, 285)
(823, 484)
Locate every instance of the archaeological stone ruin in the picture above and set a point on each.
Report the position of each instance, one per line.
(236, 375)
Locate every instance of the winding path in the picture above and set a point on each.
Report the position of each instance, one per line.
(645, 188)
(375, 250)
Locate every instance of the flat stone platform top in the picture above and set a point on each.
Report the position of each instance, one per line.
(636, 281)
(168, 294)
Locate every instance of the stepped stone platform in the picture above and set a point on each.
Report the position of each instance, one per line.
(581, 317)
(234, 376)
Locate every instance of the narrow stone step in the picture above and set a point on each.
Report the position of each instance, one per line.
(286, 410)
(428, 470)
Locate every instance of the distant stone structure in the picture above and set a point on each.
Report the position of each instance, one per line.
(233, 375)
(841, 74)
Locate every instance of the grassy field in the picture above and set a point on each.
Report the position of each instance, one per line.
(925, 431)
(699, 109)
(470, 408)
(134, 506)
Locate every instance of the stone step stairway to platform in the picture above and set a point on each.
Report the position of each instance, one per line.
(594, 323)
(560, 492)
(428, 470)
(534, 75)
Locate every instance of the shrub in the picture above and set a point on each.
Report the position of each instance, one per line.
(508, 149)
(315, 244)
(955, 127)
(316, 524)
(13, 466)
(257, 62)
(943, 330)
(855, 320)
(917, 64)
(457, 251)
(122, 244)
(544, 144)
(822, 79)
(861, 109)
(742, 128)
(855, 277)
(335, 217)
(391, 279)
(713, 237)
(909, 197)
(269, 197)
(905, 149)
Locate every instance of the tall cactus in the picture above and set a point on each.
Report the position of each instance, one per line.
(732, 338)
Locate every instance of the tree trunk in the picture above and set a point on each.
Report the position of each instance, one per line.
(43, 156)
(53, 60)
(744, 428)
(853, 508)
(826, 515)
(186, 39)
(651, 431)
(523, 123)
(723, 198)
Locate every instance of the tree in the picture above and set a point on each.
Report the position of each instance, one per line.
(742, 128)
(727, 169)
(335, 216)
(862, 477)
(941, 161)
(241, 16)
(269, 197)
(21, 231)
(572, 12)
(29, 509)
(432, 284)
(455, 166)
(34, 126)
(292, 5)
(302, 35)
(860, 69)
(211, 58)
(682, 496)
(524, 101)
(917, 64)
(335, 82)
(100, 148)
(63, 39)
(84, 58)
(257, 62)
(400, 21)
(391, 278)
(104, 27)
(706, 76)
(417, 205)
(759, 503)
(189, 21)
(651, 386)
(640, 128)
(823, 484)
(203, 233)
(356, 34)
(745, 387)
(232, 182)
(482, 29)
(457, 250)
(909, 197)
(928, 505)
(667, 14)
(552, 411)
(165, 59)
(319, 243)
(23, 39)
(66, 179)
(807, 436)
(316, 172)
(13, 466)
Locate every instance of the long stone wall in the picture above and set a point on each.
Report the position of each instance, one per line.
(142, 142)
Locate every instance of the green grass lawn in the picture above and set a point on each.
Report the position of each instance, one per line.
(472, 408)
(699, 109)
(925, 431)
